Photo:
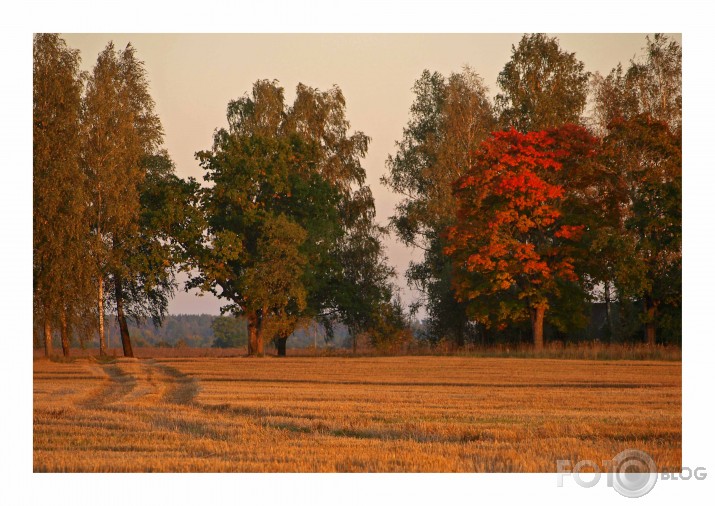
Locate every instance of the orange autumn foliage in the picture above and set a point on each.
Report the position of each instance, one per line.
(512, 241)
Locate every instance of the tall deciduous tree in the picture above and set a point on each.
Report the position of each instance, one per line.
(169, 220)
(346, 276)
(61, 275)
(249, 167)
(645, 97)
(643, 160)
(542, 85)
(512, 245)
(121, 130)
(295, 173)
(448, 120)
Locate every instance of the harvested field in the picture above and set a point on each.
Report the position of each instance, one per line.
(436, 414)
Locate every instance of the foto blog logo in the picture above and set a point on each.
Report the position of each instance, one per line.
(631, 473)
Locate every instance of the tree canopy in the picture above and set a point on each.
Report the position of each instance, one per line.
(286, 207)
(643, 159)
(652, 84)
(123, 138)
(448, 119)
(512, 244)
(525, 208)
(542, 85)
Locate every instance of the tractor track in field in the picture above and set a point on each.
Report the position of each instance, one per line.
(179, 387)
(139, 381)
(116, 385)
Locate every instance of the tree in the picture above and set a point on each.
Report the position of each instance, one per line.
(121, 130)
(391, 327)
(274, 295)
(512, 245)
(293, 172)
(169, 220)
(542, 86)
(250, 167)
(646, 96)
(643, 160)
(346, 276)
(448, 120)
(361, 288)
(651, 85)
(61, 274)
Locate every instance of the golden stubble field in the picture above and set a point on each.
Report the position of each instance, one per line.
(351, 414)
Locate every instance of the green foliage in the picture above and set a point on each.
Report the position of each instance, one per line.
(644, 160)
(272, 283)
(391, 327)
(542, 86)
(639, 113)
(448, 120)
(168, 223)
(286, 208)
(142, 213)
(364, 282)
(250, 167)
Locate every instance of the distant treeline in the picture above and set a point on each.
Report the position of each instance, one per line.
(201, 331)
(204, 331)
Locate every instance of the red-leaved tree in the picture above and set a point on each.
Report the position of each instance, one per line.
(514, 245)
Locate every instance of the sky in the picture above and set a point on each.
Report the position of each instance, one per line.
(192, 78)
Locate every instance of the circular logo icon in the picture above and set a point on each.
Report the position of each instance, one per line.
(634, 473)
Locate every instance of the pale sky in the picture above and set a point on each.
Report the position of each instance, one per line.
(193, 77)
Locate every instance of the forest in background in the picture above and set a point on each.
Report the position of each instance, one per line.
(205, 331)
(201, 331)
